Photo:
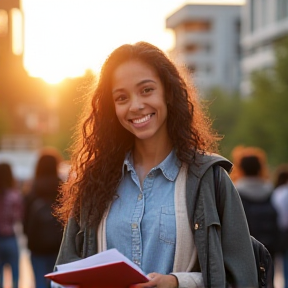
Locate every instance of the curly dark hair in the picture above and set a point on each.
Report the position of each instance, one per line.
(101, 142)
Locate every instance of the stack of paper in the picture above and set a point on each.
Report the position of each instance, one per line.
(106, 269)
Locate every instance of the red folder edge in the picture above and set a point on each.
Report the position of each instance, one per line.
(118, 274)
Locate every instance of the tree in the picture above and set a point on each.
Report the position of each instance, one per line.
(225, 110)
(261, 118)
(266, 115)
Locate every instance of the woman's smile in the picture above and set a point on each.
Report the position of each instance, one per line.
(142, 120)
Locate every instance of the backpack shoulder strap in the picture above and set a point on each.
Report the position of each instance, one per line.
(217, 183)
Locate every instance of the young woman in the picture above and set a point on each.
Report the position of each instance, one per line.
(251, 179)
(43, 231)
(141, 154)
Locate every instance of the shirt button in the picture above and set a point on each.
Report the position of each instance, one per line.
(134, 225)
(196, 226)
(140, 196)
(150, 175)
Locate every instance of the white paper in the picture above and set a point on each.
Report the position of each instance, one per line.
(100, 259)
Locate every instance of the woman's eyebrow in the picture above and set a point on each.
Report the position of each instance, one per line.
(145, 81)
(117, 90)
(138, 84)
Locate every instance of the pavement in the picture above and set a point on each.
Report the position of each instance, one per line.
(26, 273)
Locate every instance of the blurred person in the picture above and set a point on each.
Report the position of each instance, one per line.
(239, 152)
(251, 178)
(142, 152)
(42, 229)
(11, 208)
(280, 201)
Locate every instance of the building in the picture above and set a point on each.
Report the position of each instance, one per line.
(25, 101)
(207, 42)
(263, 23)
(24, 113)
(10, 45)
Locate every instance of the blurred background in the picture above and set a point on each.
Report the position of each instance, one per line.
(51, 52)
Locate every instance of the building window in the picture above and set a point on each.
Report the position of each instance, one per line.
(3, 23)
(282, 9)
(264, 13)
(207, 48)
(192, 48)
(17, 39)
(208, 69)
(191, 68)
(252, 11)
(198, 26)
(238, 26)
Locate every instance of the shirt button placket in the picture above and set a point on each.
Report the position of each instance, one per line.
(135, 230)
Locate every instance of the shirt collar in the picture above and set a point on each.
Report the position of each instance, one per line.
(170, 166)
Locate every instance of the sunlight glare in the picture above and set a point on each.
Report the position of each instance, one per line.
(71, 37)
(64, 38)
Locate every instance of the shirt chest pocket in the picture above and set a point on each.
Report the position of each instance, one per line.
(167, 225)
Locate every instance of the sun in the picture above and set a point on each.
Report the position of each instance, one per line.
(55, 47)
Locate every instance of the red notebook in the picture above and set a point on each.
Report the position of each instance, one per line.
(108, 269)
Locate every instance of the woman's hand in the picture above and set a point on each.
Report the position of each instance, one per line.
(159, 281)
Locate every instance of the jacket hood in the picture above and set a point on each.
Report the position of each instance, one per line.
(254, 189)
(203, 161)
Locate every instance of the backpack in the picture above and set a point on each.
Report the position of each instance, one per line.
(263, 259)
(43, 231)
(262, 221)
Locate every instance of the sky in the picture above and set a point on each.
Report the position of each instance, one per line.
(64, 38)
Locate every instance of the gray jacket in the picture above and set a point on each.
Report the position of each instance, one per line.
(224, 248)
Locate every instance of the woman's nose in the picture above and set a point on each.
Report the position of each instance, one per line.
(136, 104)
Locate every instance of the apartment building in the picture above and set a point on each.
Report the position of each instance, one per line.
(207, 42)
(262, 23)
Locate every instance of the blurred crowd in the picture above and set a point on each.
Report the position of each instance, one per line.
(263, 191)
(31, 205)
(264, 194)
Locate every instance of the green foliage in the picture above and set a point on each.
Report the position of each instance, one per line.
(225, 111)
(260, 119)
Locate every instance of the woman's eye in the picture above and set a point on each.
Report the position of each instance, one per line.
(147, 90)
(120, 98)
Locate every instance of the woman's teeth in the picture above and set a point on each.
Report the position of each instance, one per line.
(141, 120)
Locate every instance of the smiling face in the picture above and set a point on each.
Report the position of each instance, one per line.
(139, 100)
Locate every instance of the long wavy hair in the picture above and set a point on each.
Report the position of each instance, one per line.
(101, 142)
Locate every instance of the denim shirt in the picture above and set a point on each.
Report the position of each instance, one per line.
(141, 223)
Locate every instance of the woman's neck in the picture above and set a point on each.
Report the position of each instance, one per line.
(148, 155)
